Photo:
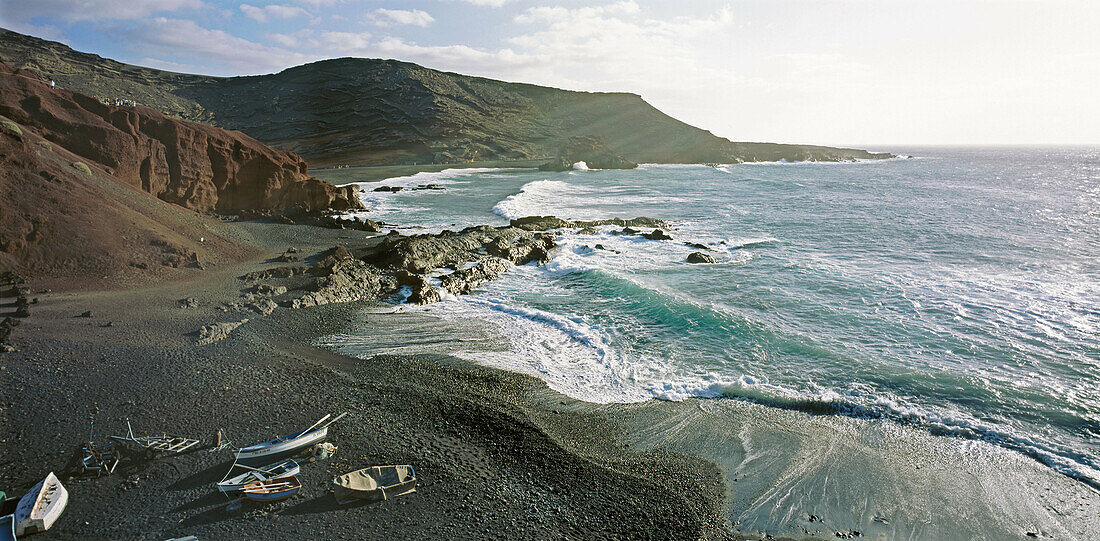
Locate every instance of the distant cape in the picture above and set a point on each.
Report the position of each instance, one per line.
(358, 111)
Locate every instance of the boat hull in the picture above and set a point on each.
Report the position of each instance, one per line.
(7, 528)
(375, 484)
(270, 451)
(259, 491)
(41, 506)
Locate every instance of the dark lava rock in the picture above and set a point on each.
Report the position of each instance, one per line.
(657, 234)
(464, 281)
(422, 291)
(700, 257)
(540, 223)
(87, 313)
(523, 250)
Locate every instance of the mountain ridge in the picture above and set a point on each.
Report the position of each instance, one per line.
(354, 111)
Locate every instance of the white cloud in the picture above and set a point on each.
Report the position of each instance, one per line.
(92, 10)
(390, 17)
(488, 3)
(264, 14)
(184, 39)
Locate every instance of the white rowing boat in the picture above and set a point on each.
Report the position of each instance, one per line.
(289, 445)
(40, 507)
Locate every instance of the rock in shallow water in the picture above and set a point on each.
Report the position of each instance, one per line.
(700, 257)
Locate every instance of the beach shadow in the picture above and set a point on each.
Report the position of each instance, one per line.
(209, 476)
(211, 499)
(325, 503)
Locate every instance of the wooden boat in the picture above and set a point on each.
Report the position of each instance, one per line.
(7, 528)
(286, 468)
(375, 483)
(289, 445)
(40, 507)
(272, 490)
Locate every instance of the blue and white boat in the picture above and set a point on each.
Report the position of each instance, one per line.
(286, 468)
(7, 528)
(289, 445)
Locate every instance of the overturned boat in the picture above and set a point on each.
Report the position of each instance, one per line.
(286, 468)
(375, 483)
(41, 506)
(272, 490)
(289, 445)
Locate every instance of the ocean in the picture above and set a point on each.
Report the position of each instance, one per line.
(956, 292)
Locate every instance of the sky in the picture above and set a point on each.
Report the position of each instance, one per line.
(833, 72)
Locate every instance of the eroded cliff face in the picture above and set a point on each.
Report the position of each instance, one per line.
(193, 165)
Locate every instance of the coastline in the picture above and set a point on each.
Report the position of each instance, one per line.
(493, 458)
(497, 452)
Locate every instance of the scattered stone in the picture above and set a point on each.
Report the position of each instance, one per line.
(189, 302)
(700, 257)
(264, 306)
(267, 290)
(697, 246)
(389, 189)
(87, 313)
(848, 535)
(7, 348)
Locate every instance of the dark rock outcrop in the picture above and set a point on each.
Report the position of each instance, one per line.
(422, 292)
(464, 281)
(700, 257)
(348, 280)
(546, 223)
(657, 234)
(589, 150)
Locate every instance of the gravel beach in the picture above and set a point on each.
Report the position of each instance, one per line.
(498, 455)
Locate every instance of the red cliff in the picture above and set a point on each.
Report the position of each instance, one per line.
(193, 165)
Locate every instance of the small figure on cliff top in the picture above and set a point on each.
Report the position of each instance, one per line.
(52, 84)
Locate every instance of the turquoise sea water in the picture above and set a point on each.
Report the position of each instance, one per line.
(957, 292)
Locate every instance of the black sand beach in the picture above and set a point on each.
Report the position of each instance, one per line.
(498, 455)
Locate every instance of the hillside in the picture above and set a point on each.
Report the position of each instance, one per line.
(375, 112)
(89, 190)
